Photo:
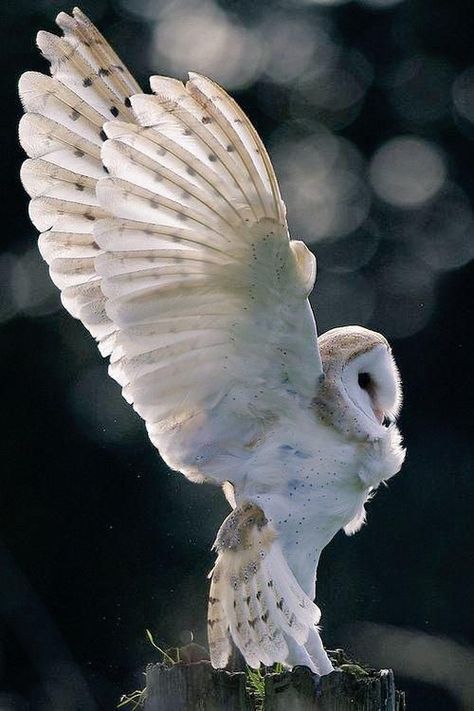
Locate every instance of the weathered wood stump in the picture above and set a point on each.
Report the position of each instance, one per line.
(189, 687)
(301, 690)
(199, 687)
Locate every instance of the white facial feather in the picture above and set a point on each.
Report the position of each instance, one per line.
(362, 389)
(372, 381)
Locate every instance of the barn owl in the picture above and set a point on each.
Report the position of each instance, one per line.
(163, 226)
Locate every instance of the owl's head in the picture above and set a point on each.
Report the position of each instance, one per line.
(361, 374)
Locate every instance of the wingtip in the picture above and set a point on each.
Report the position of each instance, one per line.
(47, 43)
(42, 37)
(63, 20)
(116, 128)
(83, 18)
(25, 81)
(196, 75)
(146, 108)
(25, 133)
(78, 14)
(71, 22)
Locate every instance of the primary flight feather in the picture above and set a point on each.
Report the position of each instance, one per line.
(163, 227)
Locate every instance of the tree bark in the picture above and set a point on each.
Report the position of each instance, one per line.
(199, 687)
(189, 687)
(301, 690)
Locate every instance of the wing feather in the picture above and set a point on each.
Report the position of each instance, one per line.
(240, 133)
(91, 45)
(62, 133)
(179, 261)
(180, 117)
(173, 161)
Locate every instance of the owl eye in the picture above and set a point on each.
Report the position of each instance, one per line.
(364, 381)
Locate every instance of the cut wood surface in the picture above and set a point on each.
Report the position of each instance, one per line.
(199, 687)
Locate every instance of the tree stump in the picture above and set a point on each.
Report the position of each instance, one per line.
(301, 690)
(199, 687)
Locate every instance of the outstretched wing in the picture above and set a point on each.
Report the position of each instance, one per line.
(179, 262)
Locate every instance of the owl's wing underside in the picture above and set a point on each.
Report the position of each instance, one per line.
(163, 226)
(62, 133)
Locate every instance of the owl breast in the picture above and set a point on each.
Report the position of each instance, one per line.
(312, 489)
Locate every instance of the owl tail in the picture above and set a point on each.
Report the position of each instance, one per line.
(255, 600)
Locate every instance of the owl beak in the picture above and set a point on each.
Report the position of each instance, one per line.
(379, 414)
(382, 417)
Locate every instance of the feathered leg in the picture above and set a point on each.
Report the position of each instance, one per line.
(255, 598)
(317, 653)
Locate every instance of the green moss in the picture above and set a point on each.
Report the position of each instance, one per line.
(256, 683)
(354, 669)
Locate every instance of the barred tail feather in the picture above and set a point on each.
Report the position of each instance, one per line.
(255, 597)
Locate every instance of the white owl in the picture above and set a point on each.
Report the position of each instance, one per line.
(164, 228)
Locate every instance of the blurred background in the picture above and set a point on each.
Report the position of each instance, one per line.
(367, 108)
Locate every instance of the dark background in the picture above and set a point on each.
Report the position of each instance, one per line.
(98, 540)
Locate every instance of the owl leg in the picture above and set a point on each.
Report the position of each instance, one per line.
(317, 653)
(299, 656)
(255, 598)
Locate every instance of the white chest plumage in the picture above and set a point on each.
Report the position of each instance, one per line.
(315, 486)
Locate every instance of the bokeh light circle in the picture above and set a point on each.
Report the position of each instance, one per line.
(342, 299)
(405, 296)
(290, 47)
(323, 184)
(441, 234)
(205, 39)
(463, 94)
(407, 171)
(380, 4)
(420, 89)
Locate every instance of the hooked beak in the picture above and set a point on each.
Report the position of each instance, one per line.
(382, 418)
